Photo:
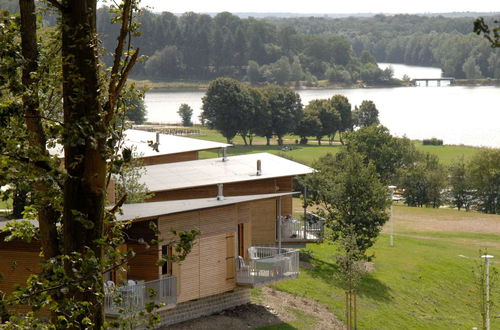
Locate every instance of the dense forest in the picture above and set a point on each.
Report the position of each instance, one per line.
(277, 50)
(198, 46)
(282, 50)
(438, 41)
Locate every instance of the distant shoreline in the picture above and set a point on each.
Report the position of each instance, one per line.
(182, 86)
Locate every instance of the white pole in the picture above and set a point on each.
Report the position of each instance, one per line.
(391, 242)
(487, 258)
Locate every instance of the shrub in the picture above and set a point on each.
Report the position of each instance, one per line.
(432, 142)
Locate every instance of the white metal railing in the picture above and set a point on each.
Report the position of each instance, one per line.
(268, 265)
(133, 298)
(311, 229)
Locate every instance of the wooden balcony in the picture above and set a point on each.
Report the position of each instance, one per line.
(310, 230)
(267, 265)
(130, 299)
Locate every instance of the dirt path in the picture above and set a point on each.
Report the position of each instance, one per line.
(270, 308)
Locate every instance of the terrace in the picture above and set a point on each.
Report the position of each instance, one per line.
(130, 299)
(310, 230)
(267, 265)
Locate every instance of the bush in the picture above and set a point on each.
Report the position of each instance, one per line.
(432, 142)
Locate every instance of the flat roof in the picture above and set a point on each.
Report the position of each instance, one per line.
(169, 144)
(155, 209)
(205, 172)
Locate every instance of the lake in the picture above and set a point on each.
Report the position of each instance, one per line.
(455, 114)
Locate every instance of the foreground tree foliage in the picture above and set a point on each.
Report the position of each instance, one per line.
(424, 181)
(79, 238)
(226, 107)
(234, 108)
(352, 196)
(484, 178)
(385, 152)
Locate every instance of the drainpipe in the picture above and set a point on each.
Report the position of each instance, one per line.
(224, 154)
(305, 211)
(279, 225)
(220, 192)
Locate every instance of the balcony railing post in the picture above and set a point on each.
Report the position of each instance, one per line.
(134, 297)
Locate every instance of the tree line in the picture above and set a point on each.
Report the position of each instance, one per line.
(284, 50)
(473, 184)
(448, 43)
(232, 108)
(198, 46)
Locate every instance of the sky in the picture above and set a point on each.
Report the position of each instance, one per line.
(325, 6)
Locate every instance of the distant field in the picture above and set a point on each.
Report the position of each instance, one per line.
(169, 86)
(5, 204)
(424, 282)
(449, 154)
(307, 154)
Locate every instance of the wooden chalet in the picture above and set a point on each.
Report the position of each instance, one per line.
(242, 206)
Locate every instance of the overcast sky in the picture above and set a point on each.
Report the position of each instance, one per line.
(325, 6)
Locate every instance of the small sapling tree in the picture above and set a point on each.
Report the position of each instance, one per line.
(185, 112)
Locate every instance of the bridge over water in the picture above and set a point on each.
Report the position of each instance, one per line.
(451, 80)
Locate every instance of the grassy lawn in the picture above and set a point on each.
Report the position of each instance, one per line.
(449, 154)
(307, 154)
(303, 321)
(424, 282)
(6, 204)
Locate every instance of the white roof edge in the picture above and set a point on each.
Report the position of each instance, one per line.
(150, 210)
(205, 172)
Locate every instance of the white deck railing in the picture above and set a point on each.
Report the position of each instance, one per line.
(269, 265)
(130, 299)
(311, 230)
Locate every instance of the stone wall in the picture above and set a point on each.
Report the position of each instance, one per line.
(193, 309)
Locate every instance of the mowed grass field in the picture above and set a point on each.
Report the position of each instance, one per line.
(424, 282)
(307, 154)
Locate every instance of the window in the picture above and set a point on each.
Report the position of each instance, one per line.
(166, 252)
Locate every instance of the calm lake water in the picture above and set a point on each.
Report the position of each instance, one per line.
(455, 114)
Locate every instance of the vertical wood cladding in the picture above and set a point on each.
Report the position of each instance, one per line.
(143, 266)
(204, 271)
(255, 187)
(263, 215)
(18, 260)
(170, 158)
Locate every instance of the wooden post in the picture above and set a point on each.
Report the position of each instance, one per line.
(279, 224)
(305, 211)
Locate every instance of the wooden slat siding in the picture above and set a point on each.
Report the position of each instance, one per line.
(180, 222)
(264, 221)
(204, 271)
(230, 256)
(265, 186)
(286, 205)
(218, 220)
(213, 266)
(170, 158)
(143, 266)
(244, 212)
(111, 192)
(189, 275)
(16, 266)
(247, 238)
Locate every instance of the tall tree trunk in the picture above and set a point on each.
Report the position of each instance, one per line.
(244, 137)
(84, 144)
(47, 216)
(268, 140)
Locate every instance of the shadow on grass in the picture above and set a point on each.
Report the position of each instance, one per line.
(329, 273)
(283, 326)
